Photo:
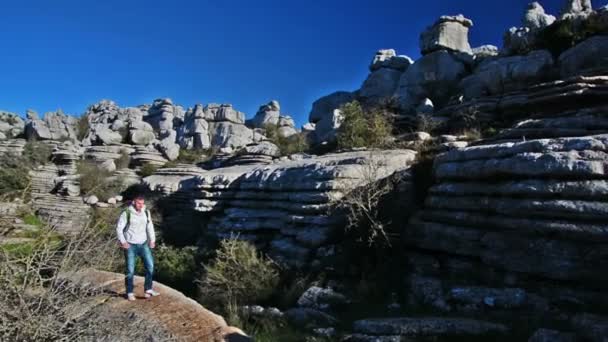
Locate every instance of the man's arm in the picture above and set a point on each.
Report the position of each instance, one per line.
(150, 231)
(120, 227)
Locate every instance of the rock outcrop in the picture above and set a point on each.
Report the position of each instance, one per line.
(171, 316)
(283, 207)
(448, 33)
(270, 114)
(11, 125)
(54, 126)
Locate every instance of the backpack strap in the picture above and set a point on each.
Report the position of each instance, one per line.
(128, 213)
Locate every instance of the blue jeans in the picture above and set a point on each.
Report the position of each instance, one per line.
(143, 251)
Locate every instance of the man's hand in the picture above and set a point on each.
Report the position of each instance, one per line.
(124, 245)
(152, 244)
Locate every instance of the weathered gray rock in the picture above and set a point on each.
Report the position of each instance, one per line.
(324, 107)
(326, 129)
(590, 54)
(91, 200)
(100, 135)
(485, 51)
(388, 59)
(518, 40)
(428, 327)
(223, 112)
(434, 76)
(576, 8)
(547, 335)
(505, 74)
(449, 33)
(141, 137)
(54, 126)
(267, 114)
(535, 17)
(11, 125)
(380, 85)
(322, 299)
(282, 206)
(306, 317)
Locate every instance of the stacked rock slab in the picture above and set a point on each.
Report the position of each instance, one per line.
(270, 114)
(13, 147)
(283, 207)
(552, 109)
(515, 227)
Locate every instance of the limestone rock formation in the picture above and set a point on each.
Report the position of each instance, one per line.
(535, 17)
(282, 207)
(576, 9)
(11, 125)
(434, 76)
(525, 212)
(388, 58)
(270, 114)
(506, 74)
(325, 116)
(586, 56)
(54, 126)
(449, 33)
(380, 85)
(433, 327)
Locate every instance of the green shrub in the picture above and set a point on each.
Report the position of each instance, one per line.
(148, 170)
(238, 275)
(363, 129)
(176, 267)
(296, 143)
(14, 177)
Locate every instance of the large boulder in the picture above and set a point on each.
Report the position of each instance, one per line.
(518, 40)
(448, 33)
(324, 107)
(325, 115)
(590, 54)
(497, 76)
(535, 17)
(388, 58)
(214, 112)
(434, 76)
(576, 9)
(380, 84)
(267, 114)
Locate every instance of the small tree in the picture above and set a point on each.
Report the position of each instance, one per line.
(363, 129)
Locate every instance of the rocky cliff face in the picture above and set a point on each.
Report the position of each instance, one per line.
(283, 207)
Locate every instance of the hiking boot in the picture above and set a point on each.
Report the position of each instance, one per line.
(151, 293)
(130, 296)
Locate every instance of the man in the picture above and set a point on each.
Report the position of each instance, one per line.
(135, 232)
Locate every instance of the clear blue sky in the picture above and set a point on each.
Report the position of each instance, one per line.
(69, 54)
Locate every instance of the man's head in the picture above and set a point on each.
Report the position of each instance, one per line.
(138, 203)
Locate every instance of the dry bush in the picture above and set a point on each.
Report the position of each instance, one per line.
(362, 203)
(36, 302)
(237, 275)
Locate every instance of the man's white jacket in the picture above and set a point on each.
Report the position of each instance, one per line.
(140, 227)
